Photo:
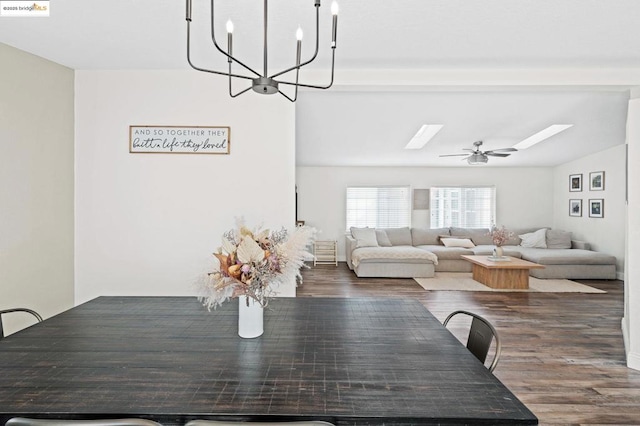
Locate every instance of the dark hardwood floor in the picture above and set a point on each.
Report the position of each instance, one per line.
(563, 353)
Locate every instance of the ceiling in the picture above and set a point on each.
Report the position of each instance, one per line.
(372, 123)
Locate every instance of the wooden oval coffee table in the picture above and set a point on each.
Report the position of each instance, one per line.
(505, 274)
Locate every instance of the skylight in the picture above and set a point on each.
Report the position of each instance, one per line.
(541, 135)
(424, 135)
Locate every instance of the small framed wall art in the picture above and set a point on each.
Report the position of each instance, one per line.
(596, 207)
(575, 183)
(596, 181)
(575, 208)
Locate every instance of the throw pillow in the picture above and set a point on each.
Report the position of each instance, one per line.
(457, 242)
(441, 237)
(365, 237)
(479, 236)
(383, 240)
(557, 239)
(535, 239)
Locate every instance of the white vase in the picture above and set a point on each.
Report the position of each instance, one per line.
(498, 252)
(250, 318)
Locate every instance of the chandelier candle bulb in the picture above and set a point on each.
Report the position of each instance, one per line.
(299, 35)
(229, 40)
(334, 30)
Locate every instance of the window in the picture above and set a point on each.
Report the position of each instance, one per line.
(463, 207)
(378, 207)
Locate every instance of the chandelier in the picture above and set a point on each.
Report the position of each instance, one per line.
(264, 83)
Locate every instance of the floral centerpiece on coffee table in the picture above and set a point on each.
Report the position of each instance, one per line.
(254, 263)
(499, 236)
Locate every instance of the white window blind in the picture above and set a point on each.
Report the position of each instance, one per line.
(463, 207)
(378, 207)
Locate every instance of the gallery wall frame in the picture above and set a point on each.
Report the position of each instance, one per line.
(575, 208)
(596, 181)
(596, 207)
(575, 182)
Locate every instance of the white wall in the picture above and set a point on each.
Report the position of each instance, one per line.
(146, 224)
(604, 234)
(631, 320)
(522, 193)
(36, 195)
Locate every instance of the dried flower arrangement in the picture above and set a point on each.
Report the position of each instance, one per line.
(500, 235)
(254, 263)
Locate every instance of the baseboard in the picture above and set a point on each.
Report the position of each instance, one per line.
(633, 358)
(625, 335)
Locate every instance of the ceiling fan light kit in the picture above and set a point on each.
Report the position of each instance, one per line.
(264, 83)
(477, 157)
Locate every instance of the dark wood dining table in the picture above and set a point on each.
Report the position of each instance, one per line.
(346, 361)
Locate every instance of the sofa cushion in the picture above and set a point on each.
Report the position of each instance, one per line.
(447, 253)
(420, 236)
(395, 254)
(566, 257)
(383, 240)
(399, 236)
(457, 242)
(557, 239)
(365, 237)
(537, 239)
(479, 236)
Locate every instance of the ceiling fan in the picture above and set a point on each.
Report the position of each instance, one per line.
(475, 156)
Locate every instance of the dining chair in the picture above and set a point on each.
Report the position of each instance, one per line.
(481, 334)
(9, 311)
(24, 421)
(232, 423)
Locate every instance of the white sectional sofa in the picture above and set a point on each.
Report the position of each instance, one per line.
(415, 253)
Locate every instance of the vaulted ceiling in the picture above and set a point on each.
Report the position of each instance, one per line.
(496, 70)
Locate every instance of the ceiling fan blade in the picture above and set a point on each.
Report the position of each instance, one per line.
(504, 149)
(453, 155)
(496, 154)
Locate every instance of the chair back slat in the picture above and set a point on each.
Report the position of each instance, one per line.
(479, 341)
(232, 423)
(24, 421)
(481, 334)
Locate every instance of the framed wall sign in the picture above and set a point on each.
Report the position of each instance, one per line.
(179, 140)
(575, 208)
(575, 183)
(596, 208)
(596, 181)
